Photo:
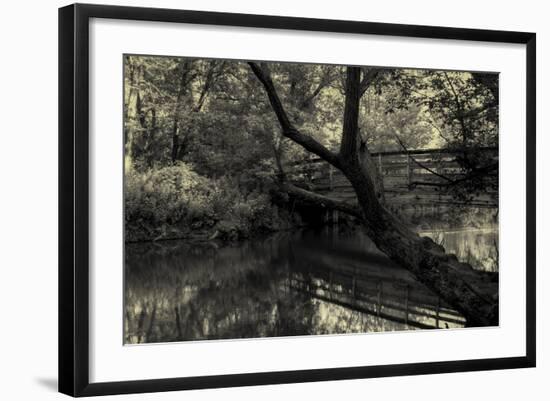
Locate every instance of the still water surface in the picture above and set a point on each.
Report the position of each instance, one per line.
(287, 284)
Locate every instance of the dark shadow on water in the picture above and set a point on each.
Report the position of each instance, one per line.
(49, 383)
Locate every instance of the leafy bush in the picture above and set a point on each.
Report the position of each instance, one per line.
(176, 202)
(248, 215)
(172, 198)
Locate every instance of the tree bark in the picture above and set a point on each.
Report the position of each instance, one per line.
(311, 198)
(370, 167)
(288, 130)
(185, 98)
(472, 293)
(133, 112)
(185, 79)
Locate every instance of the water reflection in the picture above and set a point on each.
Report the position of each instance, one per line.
(301, 283)
(478, 247)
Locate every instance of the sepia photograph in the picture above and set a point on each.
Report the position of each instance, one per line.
(268, 199)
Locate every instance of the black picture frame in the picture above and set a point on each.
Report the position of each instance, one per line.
(74, 198)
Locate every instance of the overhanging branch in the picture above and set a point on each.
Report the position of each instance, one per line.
(288, 130)
(449, 182)
(420, 164)
(315, 199)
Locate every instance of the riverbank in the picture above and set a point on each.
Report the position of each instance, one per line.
(284, 219)
(176, 202)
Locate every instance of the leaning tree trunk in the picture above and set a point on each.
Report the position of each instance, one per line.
(473, 293)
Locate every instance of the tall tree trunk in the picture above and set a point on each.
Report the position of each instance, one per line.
(133, 112)
(185, 98)
(175, 140)
(183, 88)
(473, 293)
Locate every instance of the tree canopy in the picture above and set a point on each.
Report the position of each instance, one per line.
(213, 114)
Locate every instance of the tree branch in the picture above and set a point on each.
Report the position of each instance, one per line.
(313, 198)
(325, 80)
(206, 87)
(420, 164)
(485, 170)
(481, 172)
(369, 77)
(288, 130)
(460, 108)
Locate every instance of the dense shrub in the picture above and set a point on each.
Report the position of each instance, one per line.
(169, 200)
(176, 202)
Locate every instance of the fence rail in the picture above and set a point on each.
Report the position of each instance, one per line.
(421, 177)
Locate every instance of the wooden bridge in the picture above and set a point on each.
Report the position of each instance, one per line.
(412, 179)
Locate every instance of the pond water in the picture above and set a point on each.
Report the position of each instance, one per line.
(328, 281)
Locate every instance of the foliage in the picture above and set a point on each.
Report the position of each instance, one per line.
(158, 199)
(175, 202)
(203, 147)
(461, 107)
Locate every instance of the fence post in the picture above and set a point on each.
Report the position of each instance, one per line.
(330, 170)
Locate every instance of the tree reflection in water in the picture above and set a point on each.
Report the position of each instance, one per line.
(302, 283)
